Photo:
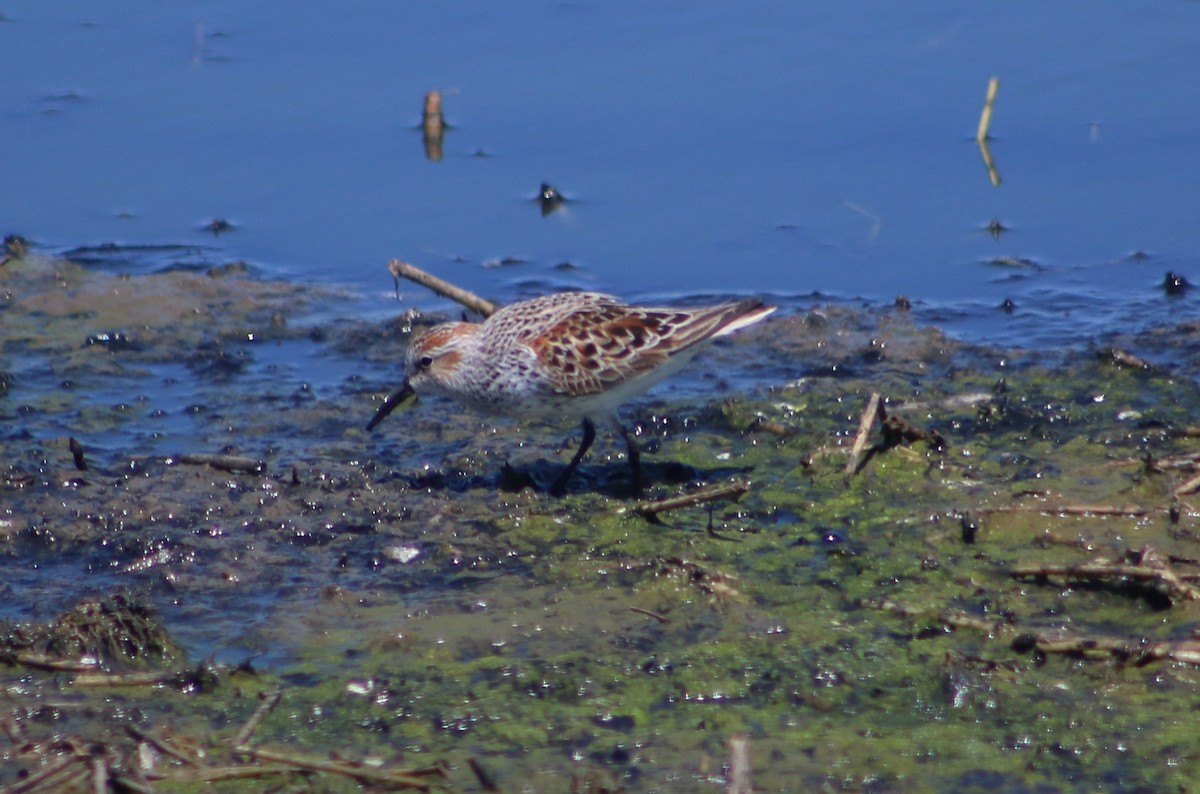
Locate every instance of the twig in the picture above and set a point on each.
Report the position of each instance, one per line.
(1139, 652)
(37, 778)
(731, 490)
(985, 118)
(865, 423)
(235, 463)
(953, 618)
(162, 744)
(339, 768)
(953, 402)
(127, 679)
(473, 302)
(269, 702)
(1188, 461)
(47, 663)
(981, 135)
(433, 125)
(739, 766)
(210, 774)
(99, 776)
(1174, 584)
(1073, 510)
(1122, 358)
(709, 582)
(77, 453)
(486, 782)
(648, 613)
(989, 163)
(770, 426)
(1189, 487)
(876, 221)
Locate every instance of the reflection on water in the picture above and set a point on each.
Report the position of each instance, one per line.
(772, 149)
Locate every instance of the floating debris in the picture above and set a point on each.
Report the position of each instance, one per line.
(111, 340)
(15, 247)
(507, 261)
(77, 453)
(433, 126)
(1175, 284)
(550, 199)
(1015, 261)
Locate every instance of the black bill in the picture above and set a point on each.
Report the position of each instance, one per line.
(401, 395)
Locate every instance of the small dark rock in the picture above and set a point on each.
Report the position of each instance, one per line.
(550, 199)
(111, 340)
(1175, 284)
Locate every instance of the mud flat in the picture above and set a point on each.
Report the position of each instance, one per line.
(213, 574)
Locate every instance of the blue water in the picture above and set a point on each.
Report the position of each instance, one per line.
(777, 148)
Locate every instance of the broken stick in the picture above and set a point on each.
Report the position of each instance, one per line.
(431, 282)
(731, 490)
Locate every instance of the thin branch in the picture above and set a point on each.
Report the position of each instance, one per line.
(269, 702)
(732, 490)
(1174, 584)
(1189, 487)
(433, 126)
(953, 618)
(234, 463)
(49, 663)
(648, 613)
(127, 679)
(985, 118)
(361, 773)
(865, 423)
(981, 134)
(472, 301)
(210, 774)
(739, 766)
(36, 779)
(989, 163)
(1138, 652)
(485, 779)
(162, 744)
(1073, 510)
(99, 776)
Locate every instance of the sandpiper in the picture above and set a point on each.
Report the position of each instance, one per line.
(572, 355)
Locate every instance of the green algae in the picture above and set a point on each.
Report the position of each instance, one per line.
(413, 613)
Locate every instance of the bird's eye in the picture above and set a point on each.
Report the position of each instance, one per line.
(425, 362)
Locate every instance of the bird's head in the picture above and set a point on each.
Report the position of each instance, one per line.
(431, 364)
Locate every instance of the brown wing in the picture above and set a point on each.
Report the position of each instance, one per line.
(597, 347)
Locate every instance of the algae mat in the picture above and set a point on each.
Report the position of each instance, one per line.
(224, 582)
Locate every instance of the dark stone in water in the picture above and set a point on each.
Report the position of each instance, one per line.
(550, 199)
(1175, 284)
(112, 340)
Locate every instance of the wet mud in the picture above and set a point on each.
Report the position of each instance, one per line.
(214, 576)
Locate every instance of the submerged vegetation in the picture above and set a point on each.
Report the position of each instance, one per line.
(997, 594)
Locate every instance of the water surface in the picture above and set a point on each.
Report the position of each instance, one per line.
(706, 148)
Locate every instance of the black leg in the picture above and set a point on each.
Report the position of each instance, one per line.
(589, 435)
(635, 459)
